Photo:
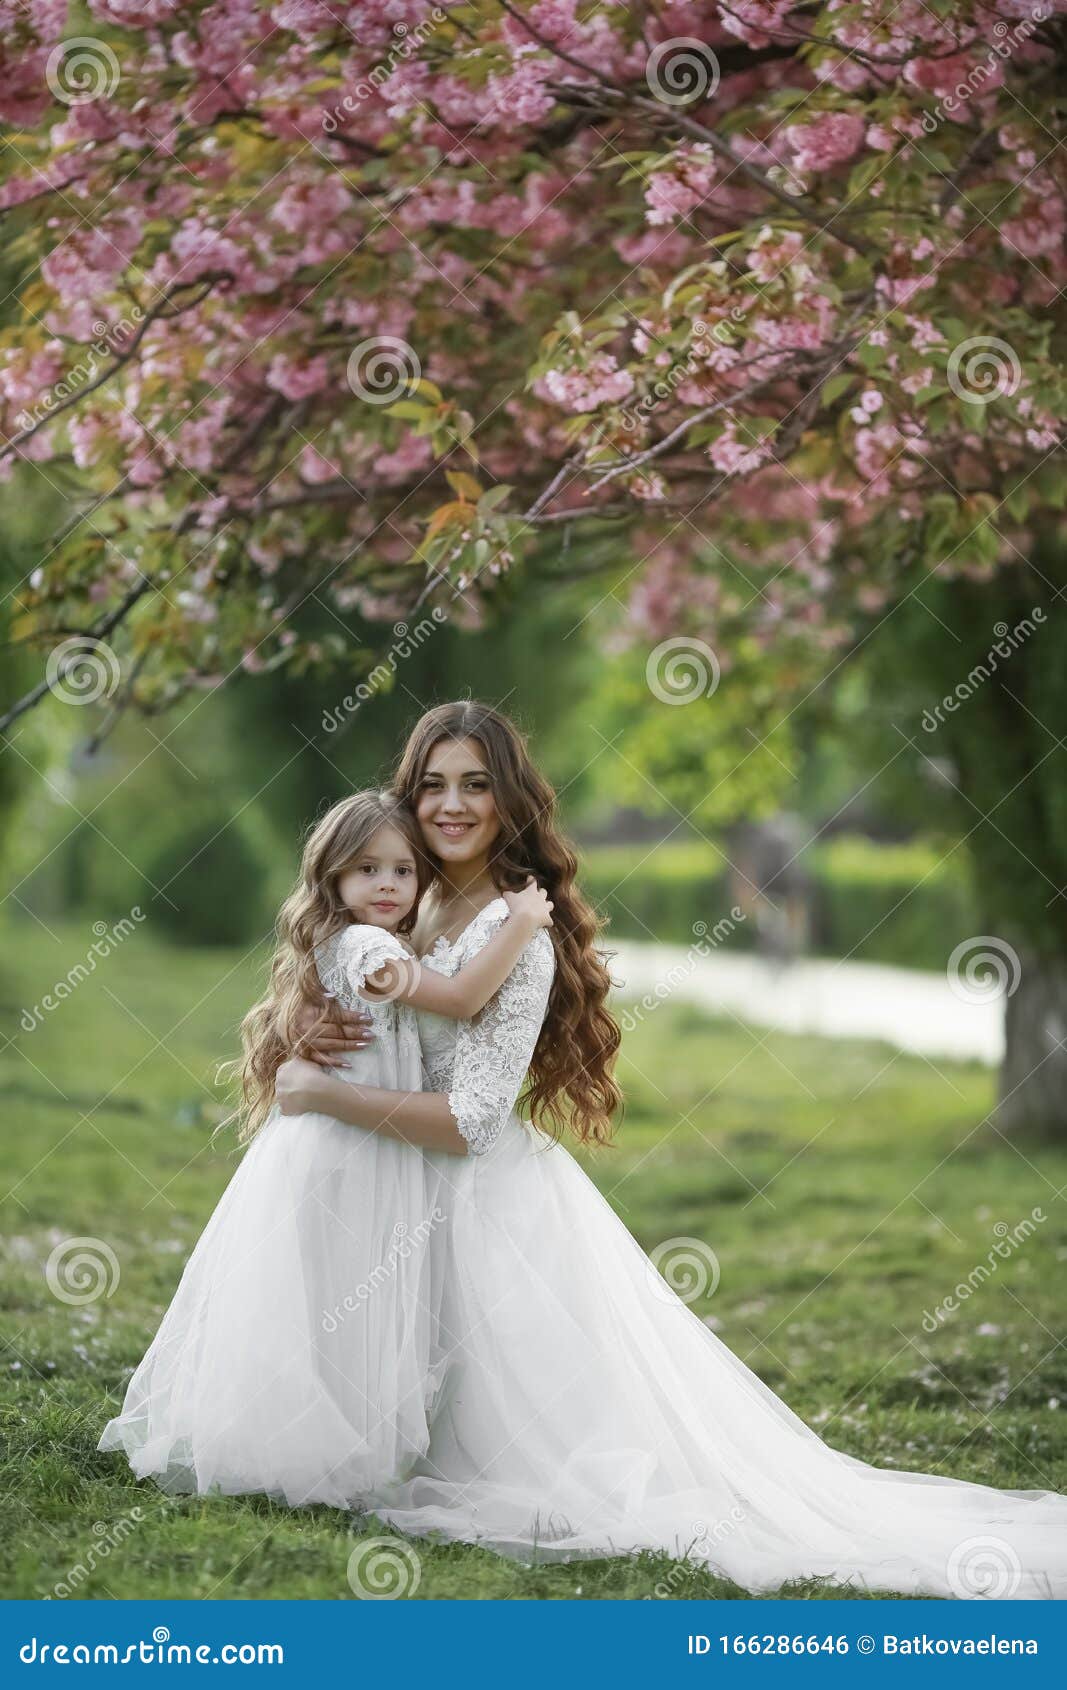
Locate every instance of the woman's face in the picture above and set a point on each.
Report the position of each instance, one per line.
(455, 805)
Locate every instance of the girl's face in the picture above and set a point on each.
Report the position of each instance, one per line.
(380, 887)
(455, 805)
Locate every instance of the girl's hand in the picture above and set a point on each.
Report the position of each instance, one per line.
(325, 1036)
(531, 905)
(299, 1087)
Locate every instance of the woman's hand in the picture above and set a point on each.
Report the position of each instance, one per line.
(325, 1035)
(531, 905)
(299, 1087)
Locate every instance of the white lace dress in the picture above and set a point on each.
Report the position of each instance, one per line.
(585, 1410)
(295, 1357)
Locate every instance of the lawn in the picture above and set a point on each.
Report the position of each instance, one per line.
(845, 1190)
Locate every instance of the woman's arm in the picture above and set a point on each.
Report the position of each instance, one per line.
(493, 1054)
(495, 1049)
(416, 1117)
(325, 1037)
(469, 990)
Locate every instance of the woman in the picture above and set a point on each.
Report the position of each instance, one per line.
(296, 1358)
(584, 1409)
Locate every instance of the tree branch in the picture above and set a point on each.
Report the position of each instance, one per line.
(10, 447)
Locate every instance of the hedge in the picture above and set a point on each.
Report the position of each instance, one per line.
(903, 904)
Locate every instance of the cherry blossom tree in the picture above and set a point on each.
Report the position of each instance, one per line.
(368, 306)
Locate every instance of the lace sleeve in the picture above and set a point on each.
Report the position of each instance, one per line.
(345, 960)
(493, 1050)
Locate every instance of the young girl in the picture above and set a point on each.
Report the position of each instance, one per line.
(294, 1359)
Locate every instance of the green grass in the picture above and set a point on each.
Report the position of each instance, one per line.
(844, 1189)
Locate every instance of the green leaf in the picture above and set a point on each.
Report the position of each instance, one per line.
(1051, 481)
(409, 409)
(464, 485)
(834, 388)
(871, 357)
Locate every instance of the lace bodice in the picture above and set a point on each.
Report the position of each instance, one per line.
(482, 1063)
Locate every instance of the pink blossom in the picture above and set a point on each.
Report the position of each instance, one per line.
(315, 468)
(671, 194)
(296, 379)
(755, 20)
(522, 97)
(828, 140)
(774, 252)
(601, 382)
(413, 455)
(308, 207)
(268, 557)
(955, 76)
(24, 92)
(1037, 230)
(84, 432)
(734, 457)
(199, 249)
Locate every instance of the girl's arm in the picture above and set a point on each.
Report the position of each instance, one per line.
(416, 1117)
(493, 1054)
(469, 990)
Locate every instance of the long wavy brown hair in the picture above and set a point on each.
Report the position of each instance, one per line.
(312, 913)
(571, 1082)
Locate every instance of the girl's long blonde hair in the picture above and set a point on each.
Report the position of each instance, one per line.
(313, 913)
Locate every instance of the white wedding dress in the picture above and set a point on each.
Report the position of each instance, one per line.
(585, 1410)
(295, 1358)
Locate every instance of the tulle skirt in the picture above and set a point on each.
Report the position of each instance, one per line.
(295, 1358)
(584, 1410)
(477, 1350)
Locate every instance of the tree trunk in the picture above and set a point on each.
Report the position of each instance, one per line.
(981, 661)
(1033, 1078)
